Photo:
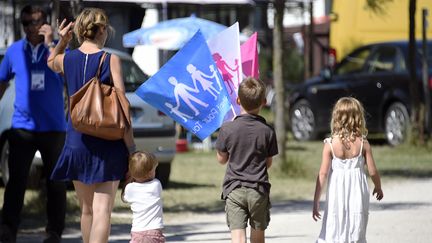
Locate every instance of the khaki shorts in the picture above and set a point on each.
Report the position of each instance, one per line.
(243, 204)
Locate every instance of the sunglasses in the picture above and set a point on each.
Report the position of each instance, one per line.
(33, 22)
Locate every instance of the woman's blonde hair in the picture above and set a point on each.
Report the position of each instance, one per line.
(348, 121)
(141, 163)
(89, 22)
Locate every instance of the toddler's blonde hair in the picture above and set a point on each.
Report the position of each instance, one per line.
(348, 121)
(141, 163)
(89, 22)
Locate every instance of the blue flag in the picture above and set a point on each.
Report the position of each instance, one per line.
(188, 89)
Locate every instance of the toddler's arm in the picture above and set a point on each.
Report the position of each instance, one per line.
(373, 171)
(321, 179)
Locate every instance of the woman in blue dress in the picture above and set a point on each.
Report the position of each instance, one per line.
(94, 165)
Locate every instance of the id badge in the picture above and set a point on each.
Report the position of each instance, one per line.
(37, 80)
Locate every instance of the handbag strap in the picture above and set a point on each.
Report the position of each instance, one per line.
(100, 65)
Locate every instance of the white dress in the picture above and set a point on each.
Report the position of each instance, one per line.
(347, 202)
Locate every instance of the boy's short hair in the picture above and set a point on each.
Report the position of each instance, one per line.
(251, 93)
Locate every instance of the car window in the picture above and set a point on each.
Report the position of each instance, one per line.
(353, 63)
(133, 76)
(384, 59)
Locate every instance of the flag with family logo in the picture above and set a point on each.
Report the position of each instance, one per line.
(225, 49)
(189, 89)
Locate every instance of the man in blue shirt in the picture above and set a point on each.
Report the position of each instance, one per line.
(38, 123)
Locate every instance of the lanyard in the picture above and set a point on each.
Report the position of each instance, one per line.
(35, 58)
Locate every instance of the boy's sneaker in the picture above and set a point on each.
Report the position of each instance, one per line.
(52, 237)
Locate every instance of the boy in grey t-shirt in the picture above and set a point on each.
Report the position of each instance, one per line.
(247, 145)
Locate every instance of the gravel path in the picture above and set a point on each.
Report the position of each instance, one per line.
(404, 215)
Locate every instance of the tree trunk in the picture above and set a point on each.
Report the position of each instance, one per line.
(279, 7)
(416, 130)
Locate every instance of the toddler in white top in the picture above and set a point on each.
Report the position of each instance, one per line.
(143, 192)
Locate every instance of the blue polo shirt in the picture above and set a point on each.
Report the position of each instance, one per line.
(39, 104)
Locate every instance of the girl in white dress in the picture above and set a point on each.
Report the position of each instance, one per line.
(143, 192)
(344, 157)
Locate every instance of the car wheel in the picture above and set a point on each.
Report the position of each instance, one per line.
(4, 156)
(35, 173)
(302, 121)
(163, 172)
(396, 123)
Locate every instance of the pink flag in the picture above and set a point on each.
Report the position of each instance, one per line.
(225, 49)
(249, 57)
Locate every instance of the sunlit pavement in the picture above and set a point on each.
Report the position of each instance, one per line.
(404, 215)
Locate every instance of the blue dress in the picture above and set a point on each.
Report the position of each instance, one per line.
(86, 158)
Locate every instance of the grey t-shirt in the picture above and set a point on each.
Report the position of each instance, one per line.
(249, 141)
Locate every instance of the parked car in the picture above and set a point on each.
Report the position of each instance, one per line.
(376, 74)
(153, 130)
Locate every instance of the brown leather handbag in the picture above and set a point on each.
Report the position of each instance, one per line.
(100, 110)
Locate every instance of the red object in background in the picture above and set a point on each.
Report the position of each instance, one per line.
(332, 57)
(181, 145)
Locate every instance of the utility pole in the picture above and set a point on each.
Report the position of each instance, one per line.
(311, 39)
(279, 7)
(416, 133)
(425, 76)
(16, 23)
(55, 12)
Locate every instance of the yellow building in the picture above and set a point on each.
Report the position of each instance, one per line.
(354, 24)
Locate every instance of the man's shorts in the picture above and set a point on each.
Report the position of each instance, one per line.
(243, 204)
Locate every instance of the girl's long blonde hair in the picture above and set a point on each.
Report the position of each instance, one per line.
(348, 121)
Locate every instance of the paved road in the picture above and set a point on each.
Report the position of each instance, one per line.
(404, 215)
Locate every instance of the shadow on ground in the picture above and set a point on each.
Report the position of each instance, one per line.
(182, 231)
(307, 205)
(183, 185)
(215, 207)
(411, 173)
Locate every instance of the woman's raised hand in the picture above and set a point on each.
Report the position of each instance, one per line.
(65, 31)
